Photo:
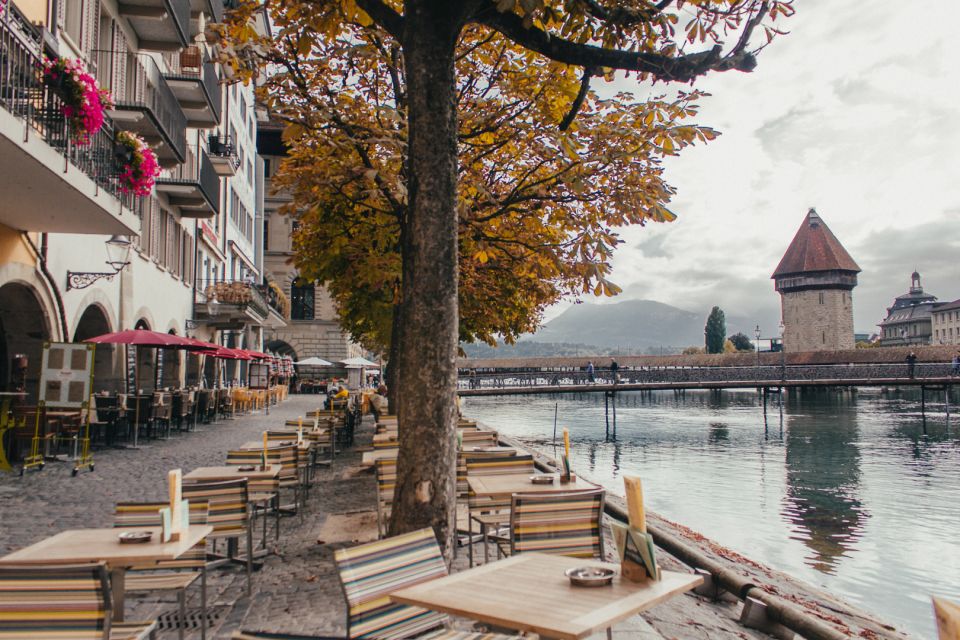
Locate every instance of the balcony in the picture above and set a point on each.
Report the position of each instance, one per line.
(223, 155)
(212, 10)
(160, 25)
(48, 182)
(145, 103)
(196, 86)
(233, 304)
(193, 186)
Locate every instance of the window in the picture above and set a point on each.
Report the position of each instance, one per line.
(824, 334)
(266, 235)
(821, 297)
(73, 20)
(301, 300)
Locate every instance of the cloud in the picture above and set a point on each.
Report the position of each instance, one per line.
(847, 113)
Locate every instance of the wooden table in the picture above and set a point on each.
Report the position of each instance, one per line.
(370, 457)
(493, 451)
(529, 592)
(232, 472)
(509, 484)
(77, 546)
(384, 438)
(257, 445)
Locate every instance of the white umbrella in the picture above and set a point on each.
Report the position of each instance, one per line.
(358, 362)
(314, 362)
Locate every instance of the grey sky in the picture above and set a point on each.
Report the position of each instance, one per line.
(854, 112)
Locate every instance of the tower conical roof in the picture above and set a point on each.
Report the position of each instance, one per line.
(814, 248)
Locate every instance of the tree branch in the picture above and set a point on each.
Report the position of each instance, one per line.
(578, 101)
(666, 68)
(384, 16)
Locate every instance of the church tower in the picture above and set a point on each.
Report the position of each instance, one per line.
(815, 278)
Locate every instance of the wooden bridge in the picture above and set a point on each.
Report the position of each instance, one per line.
(491, 382)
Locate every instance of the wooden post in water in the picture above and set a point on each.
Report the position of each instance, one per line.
(923, 405)
(946, 402)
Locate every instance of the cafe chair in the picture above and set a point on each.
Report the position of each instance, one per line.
(474, 438)
(40, 594)
(264, 635)
(566, 524)
(168, 575)
(386, 469)
(263, 493)
(491, 513)
(369, 573)
(229, 515)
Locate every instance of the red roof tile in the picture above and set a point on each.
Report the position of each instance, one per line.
(814, 248)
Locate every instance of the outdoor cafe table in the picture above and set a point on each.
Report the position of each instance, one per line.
(256, 445)
(529, 592)
(77, 546)
(216, 474)
(511, 483)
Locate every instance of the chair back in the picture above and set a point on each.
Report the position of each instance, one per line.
(566, 524)
(286, 457)
(147, 514)
(55, 602)
(228, 500)
(253, 457)
(370, 572)
(474, 438)
(494, 465)
(386, 479)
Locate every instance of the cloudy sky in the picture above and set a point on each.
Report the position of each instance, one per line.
(855, 112)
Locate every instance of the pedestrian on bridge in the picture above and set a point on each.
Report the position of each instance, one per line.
(911, 363)
(614, 368)
(590, 371)
(956, 363)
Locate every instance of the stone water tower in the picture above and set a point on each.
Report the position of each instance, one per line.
(815, 278)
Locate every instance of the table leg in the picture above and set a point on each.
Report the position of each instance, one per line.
(118, 578)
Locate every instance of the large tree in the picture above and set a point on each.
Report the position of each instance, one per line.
(592, 36)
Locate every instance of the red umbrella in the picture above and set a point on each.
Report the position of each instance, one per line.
(142, 338)
(229, 354)
(257, 354)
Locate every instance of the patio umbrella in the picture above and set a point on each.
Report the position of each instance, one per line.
(141, 338)
(314, 362)
(358, 362)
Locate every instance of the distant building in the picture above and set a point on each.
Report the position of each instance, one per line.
(945, 318)
(815, 279)
(909, 320)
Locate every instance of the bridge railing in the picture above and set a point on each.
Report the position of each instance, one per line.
(666, 375)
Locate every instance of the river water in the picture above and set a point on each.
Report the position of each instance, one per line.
(854, 494)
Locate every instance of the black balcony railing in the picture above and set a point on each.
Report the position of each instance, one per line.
(190, 65)
(241, 293)
(24, 94)
(193, 186)
(223, 154)
(138, 86)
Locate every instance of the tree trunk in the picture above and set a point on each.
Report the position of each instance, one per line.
(391, 375)
(426, 484)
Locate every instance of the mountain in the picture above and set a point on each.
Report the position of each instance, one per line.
(633, 325)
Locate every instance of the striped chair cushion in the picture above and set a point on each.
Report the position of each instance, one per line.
(386, 479)
(473, 438)
(54, 602)
(370, 572)
(565, 524)
(147, 514)
(228, 505)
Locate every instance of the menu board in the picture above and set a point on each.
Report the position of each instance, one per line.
(131, 368)
(66, 374)
(259, 374)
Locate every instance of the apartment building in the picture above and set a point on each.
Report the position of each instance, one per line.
(82, 256)
(313, 329)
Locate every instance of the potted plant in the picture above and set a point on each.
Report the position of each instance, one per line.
(84, 102)
(137, 163)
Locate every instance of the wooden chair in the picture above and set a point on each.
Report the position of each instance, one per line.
(263, 493)
(370, 572)
(168, 575)
(566, 524)
(474, 438)
(491, 512)
(62, 602)
(386, 471)
(229, 515)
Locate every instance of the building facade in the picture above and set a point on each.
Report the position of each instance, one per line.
(909, 320)
(313, 329)
(194, 265)
(815, 279)
(945, 318)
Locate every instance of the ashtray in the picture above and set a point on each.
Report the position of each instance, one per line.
(542, 478)
(590, 576)
(247, 468)
(135, 537)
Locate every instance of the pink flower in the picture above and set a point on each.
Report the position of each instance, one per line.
(84, 102)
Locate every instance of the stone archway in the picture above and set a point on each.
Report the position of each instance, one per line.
(24, 327)
(106, 375)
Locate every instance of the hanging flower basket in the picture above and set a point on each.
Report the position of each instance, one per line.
(137, 163)
(84, 102)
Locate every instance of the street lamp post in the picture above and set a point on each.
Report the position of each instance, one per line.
(118, 257)
(756, 333)
(783, 362)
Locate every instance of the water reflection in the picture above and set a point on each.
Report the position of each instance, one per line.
(822, 503)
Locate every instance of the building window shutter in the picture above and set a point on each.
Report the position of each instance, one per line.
(91, 25)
